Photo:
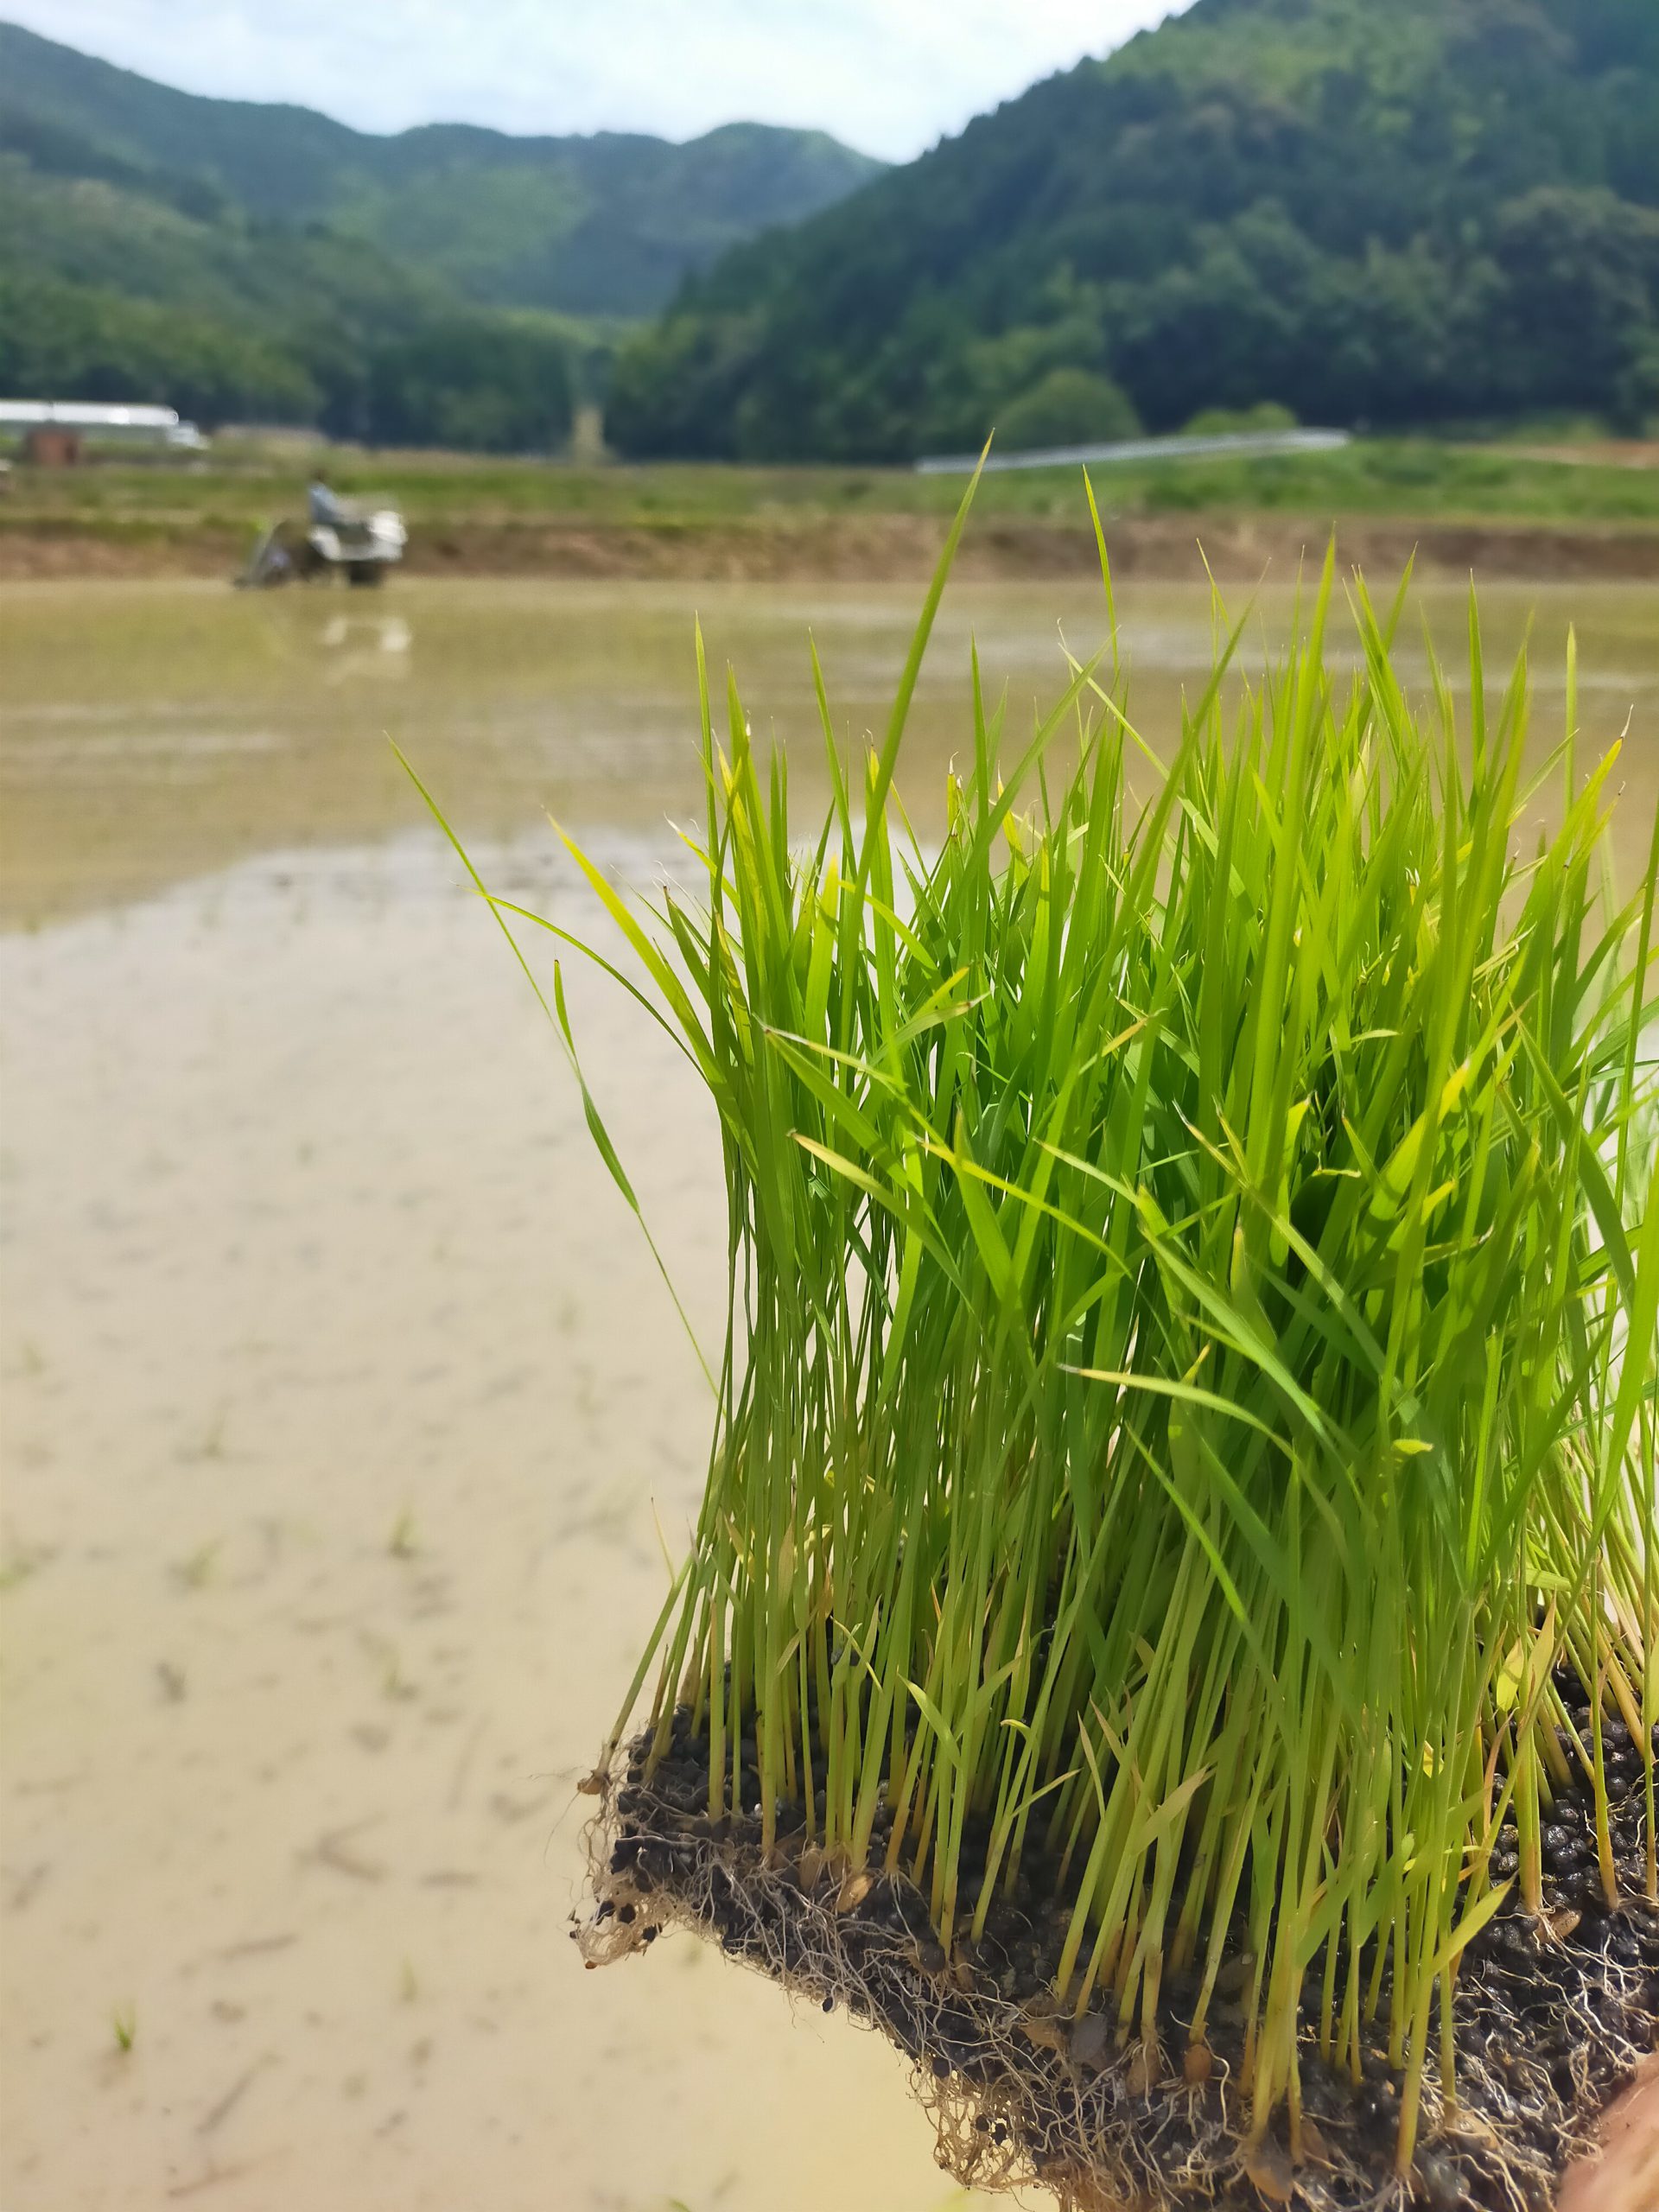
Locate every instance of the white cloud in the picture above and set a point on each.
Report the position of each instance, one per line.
(887, 75)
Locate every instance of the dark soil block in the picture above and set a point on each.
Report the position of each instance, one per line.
(1552, 2015)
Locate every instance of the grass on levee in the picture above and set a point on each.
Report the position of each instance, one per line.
(1420, 478)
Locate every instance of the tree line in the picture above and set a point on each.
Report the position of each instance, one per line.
(1388, 218)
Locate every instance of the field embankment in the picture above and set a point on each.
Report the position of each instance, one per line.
(1503, 513)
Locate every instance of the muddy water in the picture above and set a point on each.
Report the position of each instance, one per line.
(150, 732)
(343, 1408)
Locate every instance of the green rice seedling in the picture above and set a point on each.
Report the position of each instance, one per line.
(197, 1571)
(1186, 1419)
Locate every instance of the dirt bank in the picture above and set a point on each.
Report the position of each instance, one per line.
(875, 548)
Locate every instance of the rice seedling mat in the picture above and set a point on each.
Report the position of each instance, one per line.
(1171, 1632)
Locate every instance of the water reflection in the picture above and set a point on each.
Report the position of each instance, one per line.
(359, 646)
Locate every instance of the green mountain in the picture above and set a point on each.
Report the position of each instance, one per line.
(241, 259)
(606, 224)
(1401, 212)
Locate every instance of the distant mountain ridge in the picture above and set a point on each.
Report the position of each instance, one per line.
(1384, 211)
(446, 286)
(606, 224)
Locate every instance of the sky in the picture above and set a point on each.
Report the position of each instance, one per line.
(888, 76)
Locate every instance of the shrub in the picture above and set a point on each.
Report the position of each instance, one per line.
(1229, 421)
(1069, 406)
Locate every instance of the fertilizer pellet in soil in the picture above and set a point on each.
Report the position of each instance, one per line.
(1551, 2015)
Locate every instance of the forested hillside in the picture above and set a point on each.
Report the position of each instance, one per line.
(604, 224)
(236, 260)
(1421, 211)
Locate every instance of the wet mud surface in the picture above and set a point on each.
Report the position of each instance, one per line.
(340, 1409)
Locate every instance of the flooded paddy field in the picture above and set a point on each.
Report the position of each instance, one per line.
(156, 732)
(345, 1420)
